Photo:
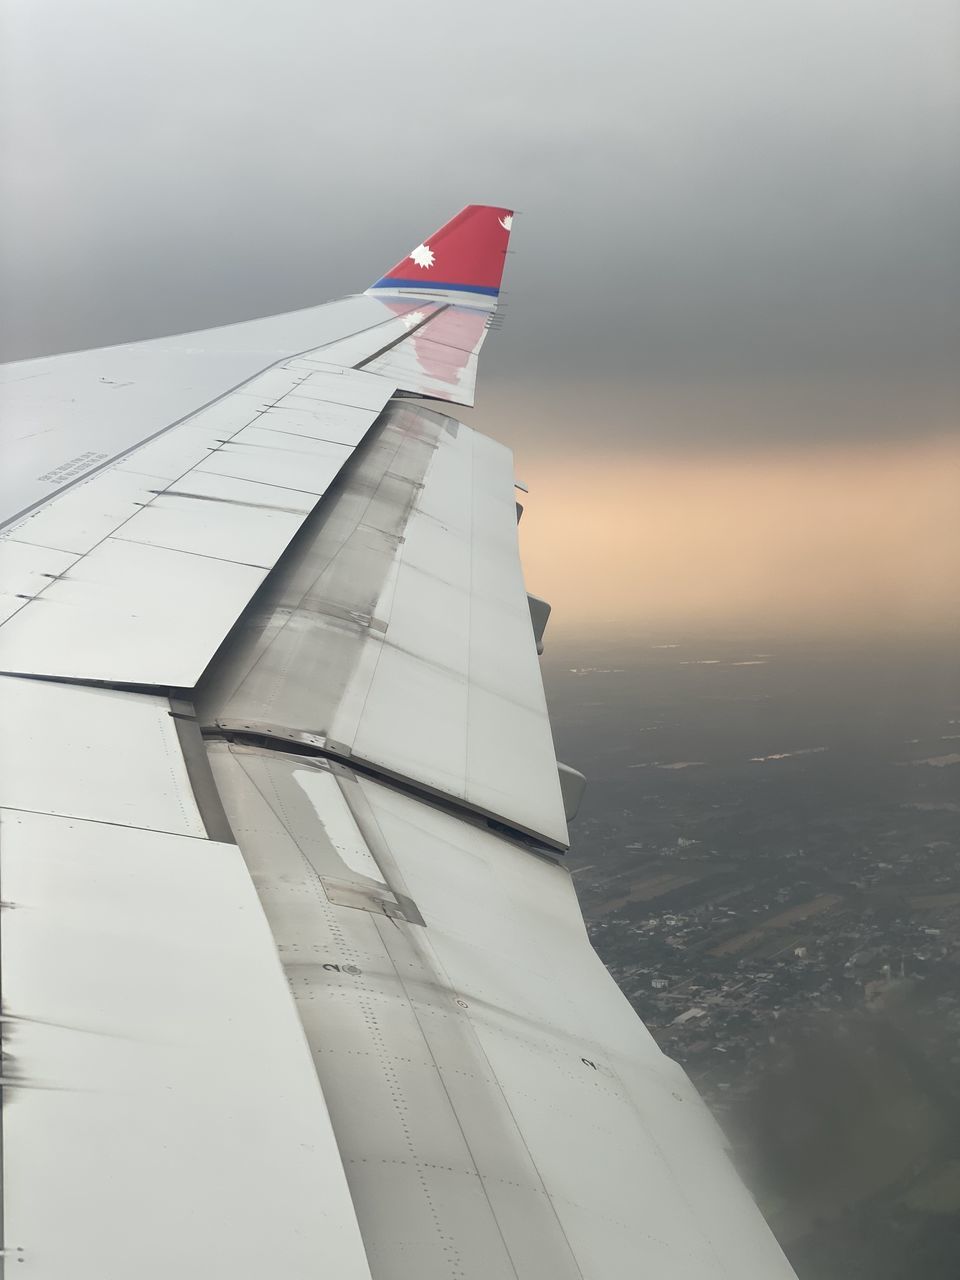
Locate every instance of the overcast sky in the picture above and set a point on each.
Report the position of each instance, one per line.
(713, 191)
(739, 218)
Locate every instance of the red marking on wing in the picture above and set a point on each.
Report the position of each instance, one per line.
(468, 250)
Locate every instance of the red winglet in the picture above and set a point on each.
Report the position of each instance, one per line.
(465, 256)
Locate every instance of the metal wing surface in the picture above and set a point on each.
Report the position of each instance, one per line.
(294, 978)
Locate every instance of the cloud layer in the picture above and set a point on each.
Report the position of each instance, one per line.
(760, 195)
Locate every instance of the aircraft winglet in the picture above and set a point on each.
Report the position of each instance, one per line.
(462, 262)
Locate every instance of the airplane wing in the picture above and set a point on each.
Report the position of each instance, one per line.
(294, 978)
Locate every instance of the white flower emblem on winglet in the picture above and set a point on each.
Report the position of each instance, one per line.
(412, 318)
(423, 256)
(506, 221)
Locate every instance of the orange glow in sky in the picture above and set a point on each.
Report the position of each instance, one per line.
(833, 539)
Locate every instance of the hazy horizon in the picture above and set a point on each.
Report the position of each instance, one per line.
(823, 540)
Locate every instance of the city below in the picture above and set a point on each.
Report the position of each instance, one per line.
(768, 864)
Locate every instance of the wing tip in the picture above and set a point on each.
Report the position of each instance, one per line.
(462, 260)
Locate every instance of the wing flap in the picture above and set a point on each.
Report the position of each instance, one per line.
(398, 631)
(495, 1098)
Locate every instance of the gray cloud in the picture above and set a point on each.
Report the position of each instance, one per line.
(755, 203)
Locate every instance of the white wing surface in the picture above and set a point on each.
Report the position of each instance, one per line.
(294, 978)
(161, 1115)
